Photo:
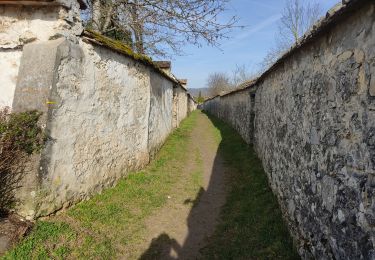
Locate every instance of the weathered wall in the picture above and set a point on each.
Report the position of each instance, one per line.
(237, 109)
(9, 59)
(191, 104)
(107, 114)
(315, 131)
(180, 105)
(161, 118)
(320, 155)
(22, 25)
(105, 111)
(101, 126)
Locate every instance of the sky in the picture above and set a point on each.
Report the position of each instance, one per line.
(246, 46)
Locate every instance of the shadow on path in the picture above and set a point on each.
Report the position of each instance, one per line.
(245, 223)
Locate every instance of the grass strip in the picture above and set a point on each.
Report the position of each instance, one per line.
(251, 224)
(108, 224)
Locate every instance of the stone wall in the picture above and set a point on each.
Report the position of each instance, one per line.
(21, 25)
(105, 111)
(180, 105)
(237, 109)
(191, 104)
(9, 59)
(314, 130)
(161, 117)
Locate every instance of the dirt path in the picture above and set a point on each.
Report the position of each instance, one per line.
(179, 230)
(170, 209)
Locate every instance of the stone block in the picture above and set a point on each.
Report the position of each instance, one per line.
(372, 84)
(36, 76)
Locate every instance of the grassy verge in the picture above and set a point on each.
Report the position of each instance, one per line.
(111, 224)
(251, 223)
(107, 225)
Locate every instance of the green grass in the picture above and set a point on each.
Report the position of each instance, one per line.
(251, 223)
(39, 244)
(195, 183)
(102, 227)
(111, 224)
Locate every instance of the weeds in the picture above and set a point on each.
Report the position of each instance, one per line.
(20, 136)
(109, 223)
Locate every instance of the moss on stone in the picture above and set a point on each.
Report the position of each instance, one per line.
(122, 48)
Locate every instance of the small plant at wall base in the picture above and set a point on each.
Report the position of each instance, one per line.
(20, 137)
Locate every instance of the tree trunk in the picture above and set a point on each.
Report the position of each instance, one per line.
(96, 15)
(108, 17)
(137, 30)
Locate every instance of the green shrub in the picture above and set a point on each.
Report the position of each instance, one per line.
(20, 136)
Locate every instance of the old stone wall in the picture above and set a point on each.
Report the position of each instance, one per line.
(9, 59)
(107, 115)
(180, 105)
(237, 109)
(314, 130)
(105, 111)
(191, 104)
(21, 25)
(161, 118)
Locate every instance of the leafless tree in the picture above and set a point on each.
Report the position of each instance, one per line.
(240, 74)
(163, 27)
(297, 17)
(218, 83)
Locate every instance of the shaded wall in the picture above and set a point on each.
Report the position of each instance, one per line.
(191, 104)
(237, 109)
(314, 131)
(180, 105)
(161, 107)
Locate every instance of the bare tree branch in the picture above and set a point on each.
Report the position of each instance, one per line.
(163, 27)
(297, 17)
(218, 83)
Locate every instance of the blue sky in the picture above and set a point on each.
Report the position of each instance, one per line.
(246, 46)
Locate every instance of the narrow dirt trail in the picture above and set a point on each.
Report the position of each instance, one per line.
(205, 196)
(180, 229)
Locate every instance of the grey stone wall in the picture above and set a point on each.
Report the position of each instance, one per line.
(314, 131)
(237, 109)
(191, 104)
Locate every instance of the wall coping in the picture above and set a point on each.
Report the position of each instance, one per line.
(119, 47)
(191, 97)
(82, 3)
(332, 17)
